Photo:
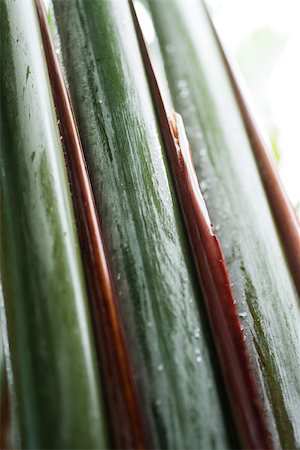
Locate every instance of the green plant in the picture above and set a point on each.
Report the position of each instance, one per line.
(127, 359)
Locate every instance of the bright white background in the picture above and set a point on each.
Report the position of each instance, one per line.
(263, 36)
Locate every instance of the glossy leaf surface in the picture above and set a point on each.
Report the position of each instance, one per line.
(262, 285)
(50, 347)
(146, 245)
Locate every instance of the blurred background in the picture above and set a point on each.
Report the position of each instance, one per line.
(263, 37)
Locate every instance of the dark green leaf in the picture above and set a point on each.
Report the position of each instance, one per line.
(146, 245)
(51, 351)
(262, 285)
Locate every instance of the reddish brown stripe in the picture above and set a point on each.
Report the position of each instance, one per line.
(5, 416)
(283, 213)
(229, 339)
(125, 414)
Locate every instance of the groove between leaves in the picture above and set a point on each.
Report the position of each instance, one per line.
(126, 418)
(212, 273)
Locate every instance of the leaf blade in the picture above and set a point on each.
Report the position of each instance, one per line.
(141, 225)
(51, 348)
(237, 205)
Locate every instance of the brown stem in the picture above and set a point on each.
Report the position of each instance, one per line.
(5, 414)
(125, 414)
(212, 274)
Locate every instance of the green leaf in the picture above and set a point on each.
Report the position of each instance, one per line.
(51, 349)
(159, 298)
(262, 285)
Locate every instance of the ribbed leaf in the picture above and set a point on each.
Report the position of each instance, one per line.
(211, 270)
(263, 288)
(285, 217)
(147, 249)
(51, 349)
(118, 380)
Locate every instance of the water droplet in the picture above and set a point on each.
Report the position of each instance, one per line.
(197, 351)
(160, 367)
(203, 151)
(118, 276)
(184, 93)
(243, 315)
(198, 359)
(182, 84)
(203, 185)
(197, 333)
(217, 227)
(242, 327)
